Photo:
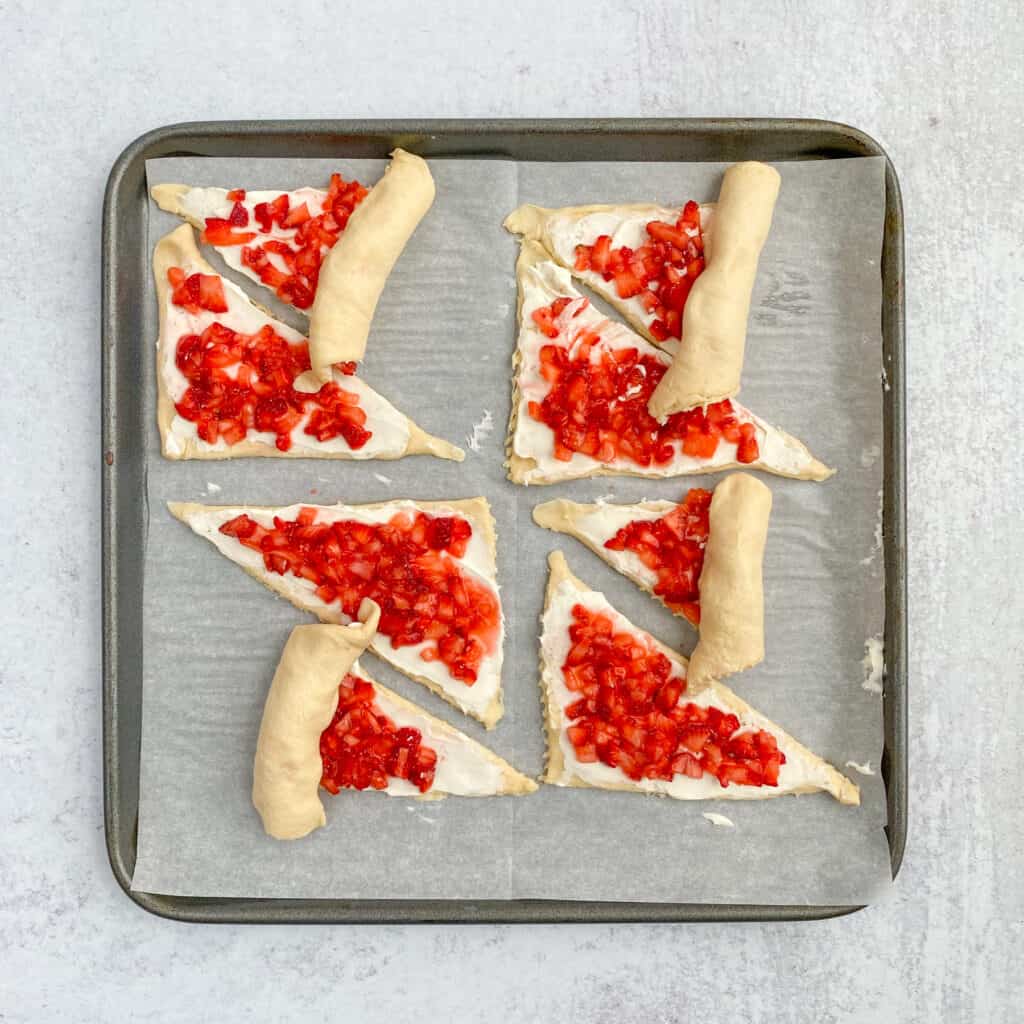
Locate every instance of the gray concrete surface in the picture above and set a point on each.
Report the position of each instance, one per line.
(939, 84)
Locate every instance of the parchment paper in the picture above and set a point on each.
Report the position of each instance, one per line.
(440, 349)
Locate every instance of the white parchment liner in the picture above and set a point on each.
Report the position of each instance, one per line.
(440, 350)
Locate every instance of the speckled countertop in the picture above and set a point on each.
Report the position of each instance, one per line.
(940, 85)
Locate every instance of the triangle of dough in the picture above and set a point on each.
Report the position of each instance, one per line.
(731, 605)
(803, 772)
(482, 700)
(560, 231)
(531, 458)
(394, 434)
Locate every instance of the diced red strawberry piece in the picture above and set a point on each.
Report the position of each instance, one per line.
(600, 253)
(668, 233)
(211, 294)
(236, 195)
(545, 320)
(221, 232)
(690, 216)
(298, 215)
(261, 211)
(748, 450)
(627, 284)
(239, 216)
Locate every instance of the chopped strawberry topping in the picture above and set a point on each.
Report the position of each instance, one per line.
(661, 272)
(672, 547)
(407, 565)
(197, 291)
(597, 404)
(362, 747)
(629, 714)
(243, 382)
(219, 231)
(301, 240)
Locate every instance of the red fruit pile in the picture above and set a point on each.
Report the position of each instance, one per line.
(628, 714)
(597, 404)
(362, 747)
(660, 273)
(242, 382)
(407, 565)
(302, 254)
(672, 547)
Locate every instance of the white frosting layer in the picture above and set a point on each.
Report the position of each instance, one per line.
(626, 228)
(798, 773)
(200, 203)
(542, 284)
(388, 427)
(477, 560)
(463, 769)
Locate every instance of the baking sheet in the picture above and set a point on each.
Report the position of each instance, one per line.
(440, 350)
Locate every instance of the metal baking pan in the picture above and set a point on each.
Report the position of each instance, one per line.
(125, 279)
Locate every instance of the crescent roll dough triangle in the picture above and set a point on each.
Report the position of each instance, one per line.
(716, 249)
(325, 251)
(303, 702)
(468, 585)
(392, 434)
(577, 336)
(702, 559)
(708, 750)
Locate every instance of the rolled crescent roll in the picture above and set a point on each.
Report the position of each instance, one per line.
(709, 362)
(355, 271)
(731, 588)
(300, 705)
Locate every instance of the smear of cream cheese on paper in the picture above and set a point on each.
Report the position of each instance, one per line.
(718, 820)
(481, 431)
(874, 664)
